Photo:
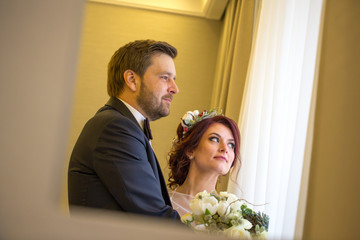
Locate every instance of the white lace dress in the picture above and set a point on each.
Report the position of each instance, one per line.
(180, 201)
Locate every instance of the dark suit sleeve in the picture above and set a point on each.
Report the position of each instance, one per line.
(125, 165)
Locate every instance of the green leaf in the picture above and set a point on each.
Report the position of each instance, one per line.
(207, 212)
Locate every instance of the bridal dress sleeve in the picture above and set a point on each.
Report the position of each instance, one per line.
(180, 202)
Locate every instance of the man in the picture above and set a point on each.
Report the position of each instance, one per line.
(113, 165)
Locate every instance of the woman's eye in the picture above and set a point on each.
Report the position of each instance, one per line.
(164, 77)
(214, 139)
(231, 145)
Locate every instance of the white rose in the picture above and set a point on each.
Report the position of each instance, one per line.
(222, 194)
(200, 227)
(195, 205)
(210, 203)
(234, 202)
(223, 208)
(202, 194)
(237, 232)
(196, 112)
(188, 117)
(262, 235)
(187, 218)
(229, 196)
(235, 215)
(202, 201)
(225, 194)
(246, 224)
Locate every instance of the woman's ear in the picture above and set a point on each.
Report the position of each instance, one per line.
(190, 155)
(130, 78)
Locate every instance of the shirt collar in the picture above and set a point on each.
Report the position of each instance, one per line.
(138, 116)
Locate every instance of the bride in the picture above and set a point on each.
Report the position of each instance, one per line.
(207, 146)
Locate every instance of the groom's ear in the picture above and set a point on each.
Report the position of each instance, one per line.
(131, 80)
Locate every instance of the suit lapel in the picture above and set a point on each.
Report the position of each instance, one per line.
(121, 107)
(162, 183)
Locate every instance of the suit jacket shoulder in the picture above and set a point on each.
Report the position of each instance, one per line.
(120, 107)
(113, 166)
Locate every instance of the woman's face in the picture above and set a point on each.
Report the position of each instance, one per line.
(215, 152)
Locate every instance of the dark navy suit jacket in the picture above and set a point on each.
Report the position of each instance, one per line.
(113, 166)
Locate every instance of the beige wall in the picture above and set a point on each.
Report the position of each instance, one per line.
(39, 49)
(36, 90)
(107, 27)
(333, 210)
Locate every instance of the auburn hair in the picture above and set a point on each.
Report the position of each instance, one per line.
(179, 163)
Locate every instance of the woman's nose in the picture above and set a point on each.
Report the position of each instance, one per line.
(223, 148)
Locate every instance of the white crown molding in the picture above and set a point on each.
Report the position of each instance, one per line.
(210, 9)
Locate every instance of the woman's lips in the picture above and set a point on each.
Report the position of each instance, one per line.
(221, 158)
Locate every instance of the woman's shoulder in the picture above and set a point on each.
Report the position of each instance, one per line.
(180, 201)
(179, 194)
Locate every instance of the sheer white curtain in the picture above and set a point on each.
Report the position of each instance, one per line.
(275, 110)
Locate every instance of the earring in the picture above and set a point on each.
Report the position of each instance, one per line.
(191, 157)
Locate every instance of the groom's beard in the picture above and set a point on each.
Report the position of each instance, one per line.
(153, 107)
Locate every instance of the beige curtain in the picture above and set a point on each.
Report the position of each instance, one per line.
(234, 53)
(274, 120)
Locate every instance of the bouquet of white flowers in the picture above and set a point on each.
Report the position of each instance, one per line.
(225, 214)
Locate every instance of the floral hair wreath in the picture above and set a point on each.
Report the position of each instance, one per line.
(190, 118)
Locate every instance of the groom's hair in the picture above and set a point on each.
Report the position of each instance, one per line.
(135, 56)
(179, 162)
